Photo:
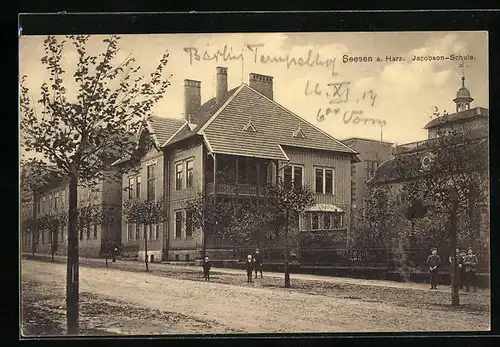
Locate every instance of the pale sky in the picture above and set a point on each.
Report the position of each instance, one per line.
(406, 91)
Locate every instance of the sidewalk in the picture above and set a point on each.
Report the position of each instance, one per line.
(124, 264)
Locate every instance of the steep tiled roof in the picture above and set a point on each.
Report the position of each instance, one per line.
(274, 126)
(200, 117)
(164, 127)
(474, 112)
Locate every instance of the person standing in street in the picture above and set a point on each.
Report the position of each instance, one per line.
(470, 262)
(249, 265)
(433, 262)
(257, 263)
(460, 261)
(207, 265)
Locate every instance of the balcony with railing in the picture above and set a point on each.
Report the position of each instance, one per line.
(232, 175)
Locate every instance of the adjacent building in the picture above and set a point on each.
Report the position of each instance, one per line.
(372, 153)
(472, 125)
(52, 199)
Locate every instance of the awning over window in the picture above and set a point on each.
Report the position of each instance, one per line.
(324, 208)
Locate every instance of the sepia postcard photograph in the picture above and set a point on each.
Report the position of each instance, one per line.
(254, 183)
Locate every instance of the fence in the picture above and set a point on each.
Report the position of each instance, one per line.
(390, 259)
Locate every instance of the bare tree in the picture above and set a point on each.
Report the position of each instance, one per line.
(79, 137)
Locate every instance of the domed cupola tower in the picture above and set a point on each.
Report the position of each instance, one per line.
(463, 98)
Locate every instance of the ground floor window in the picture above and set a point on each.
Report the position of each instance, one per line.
(178, 224)
(157, 231)
(43, 236)
(88, 231)
(130, 232)
(95, 231)
(138, 232)
(325, 220)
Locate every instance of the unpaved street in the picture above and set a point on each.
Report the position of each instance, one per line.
(249, 308)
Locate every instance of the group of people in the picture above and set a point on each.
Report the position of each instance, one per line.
(253, 263)
(466, 263)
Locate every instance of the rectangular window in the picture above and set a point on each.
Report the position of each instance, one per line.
(288, 176)
(130, 232)
(95, 231)
(138, 235)
(81, 232)
(328, 181)
(157, 231)
(324, 181)
(297, 176)
(326, 221)
(88, 231)
(178, 225)
(178, 176)
(138, 186)
(131, 184)
(315, 221)
(56, 200)
(189, 174)
(319, 181)
(39, 206)
(337, 221)
(43, 236)
(151, 181)
(189, 224)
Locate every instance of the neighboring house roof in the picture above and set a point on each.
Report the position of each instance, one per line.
(226, 127)
(200, 117)
(164, 128)
(350, 139)
(459, 116)
(399, 167)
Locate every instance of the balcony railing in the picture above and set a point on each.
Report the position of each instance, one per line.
(236, 189)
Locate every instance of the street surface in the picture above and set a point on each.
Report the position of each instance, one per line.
(208, 307)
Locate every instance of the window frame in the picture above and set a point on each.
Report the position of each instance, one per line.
(131, 187)
(179, 172)
(323, 182)
(178, 227)
(191, 182)
(313, 215)
(151, 182)
(188, 213)
(293, 167)
(138, 186)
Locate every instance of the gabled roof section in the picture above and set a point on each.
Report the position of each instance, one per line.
(275, 123)
(200, 117)
(454, 117)
(163, 128)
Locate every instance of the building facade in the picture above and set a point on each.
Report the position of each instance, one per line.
(52, 199)
(230, 147)
(372, 153)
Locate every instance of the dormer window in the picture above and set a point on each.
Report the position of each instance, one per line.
(191, 125)
(249, 126)
(299, 134)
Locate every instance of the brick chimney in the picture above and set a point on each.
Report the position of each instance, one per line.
(221, 87)
(262, 84)
(192, 97)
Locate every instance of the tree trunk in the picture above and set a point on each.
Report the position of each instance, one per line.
(33, 243)
(146, 247)
(455, 299)
(287, 270)
(72, 262)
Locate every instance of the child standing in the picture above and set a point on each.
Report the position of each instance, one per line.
(206, 268)
(470, 262)
(249, 267)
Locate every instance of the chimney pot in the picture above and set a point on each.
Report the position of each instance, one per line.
(192, 97)
(221, 87)
(262, 83)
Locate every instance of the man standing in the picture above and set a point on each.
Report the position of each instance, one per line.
(258, 263)
(470, 262)
(433, 262)
(460, 261)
